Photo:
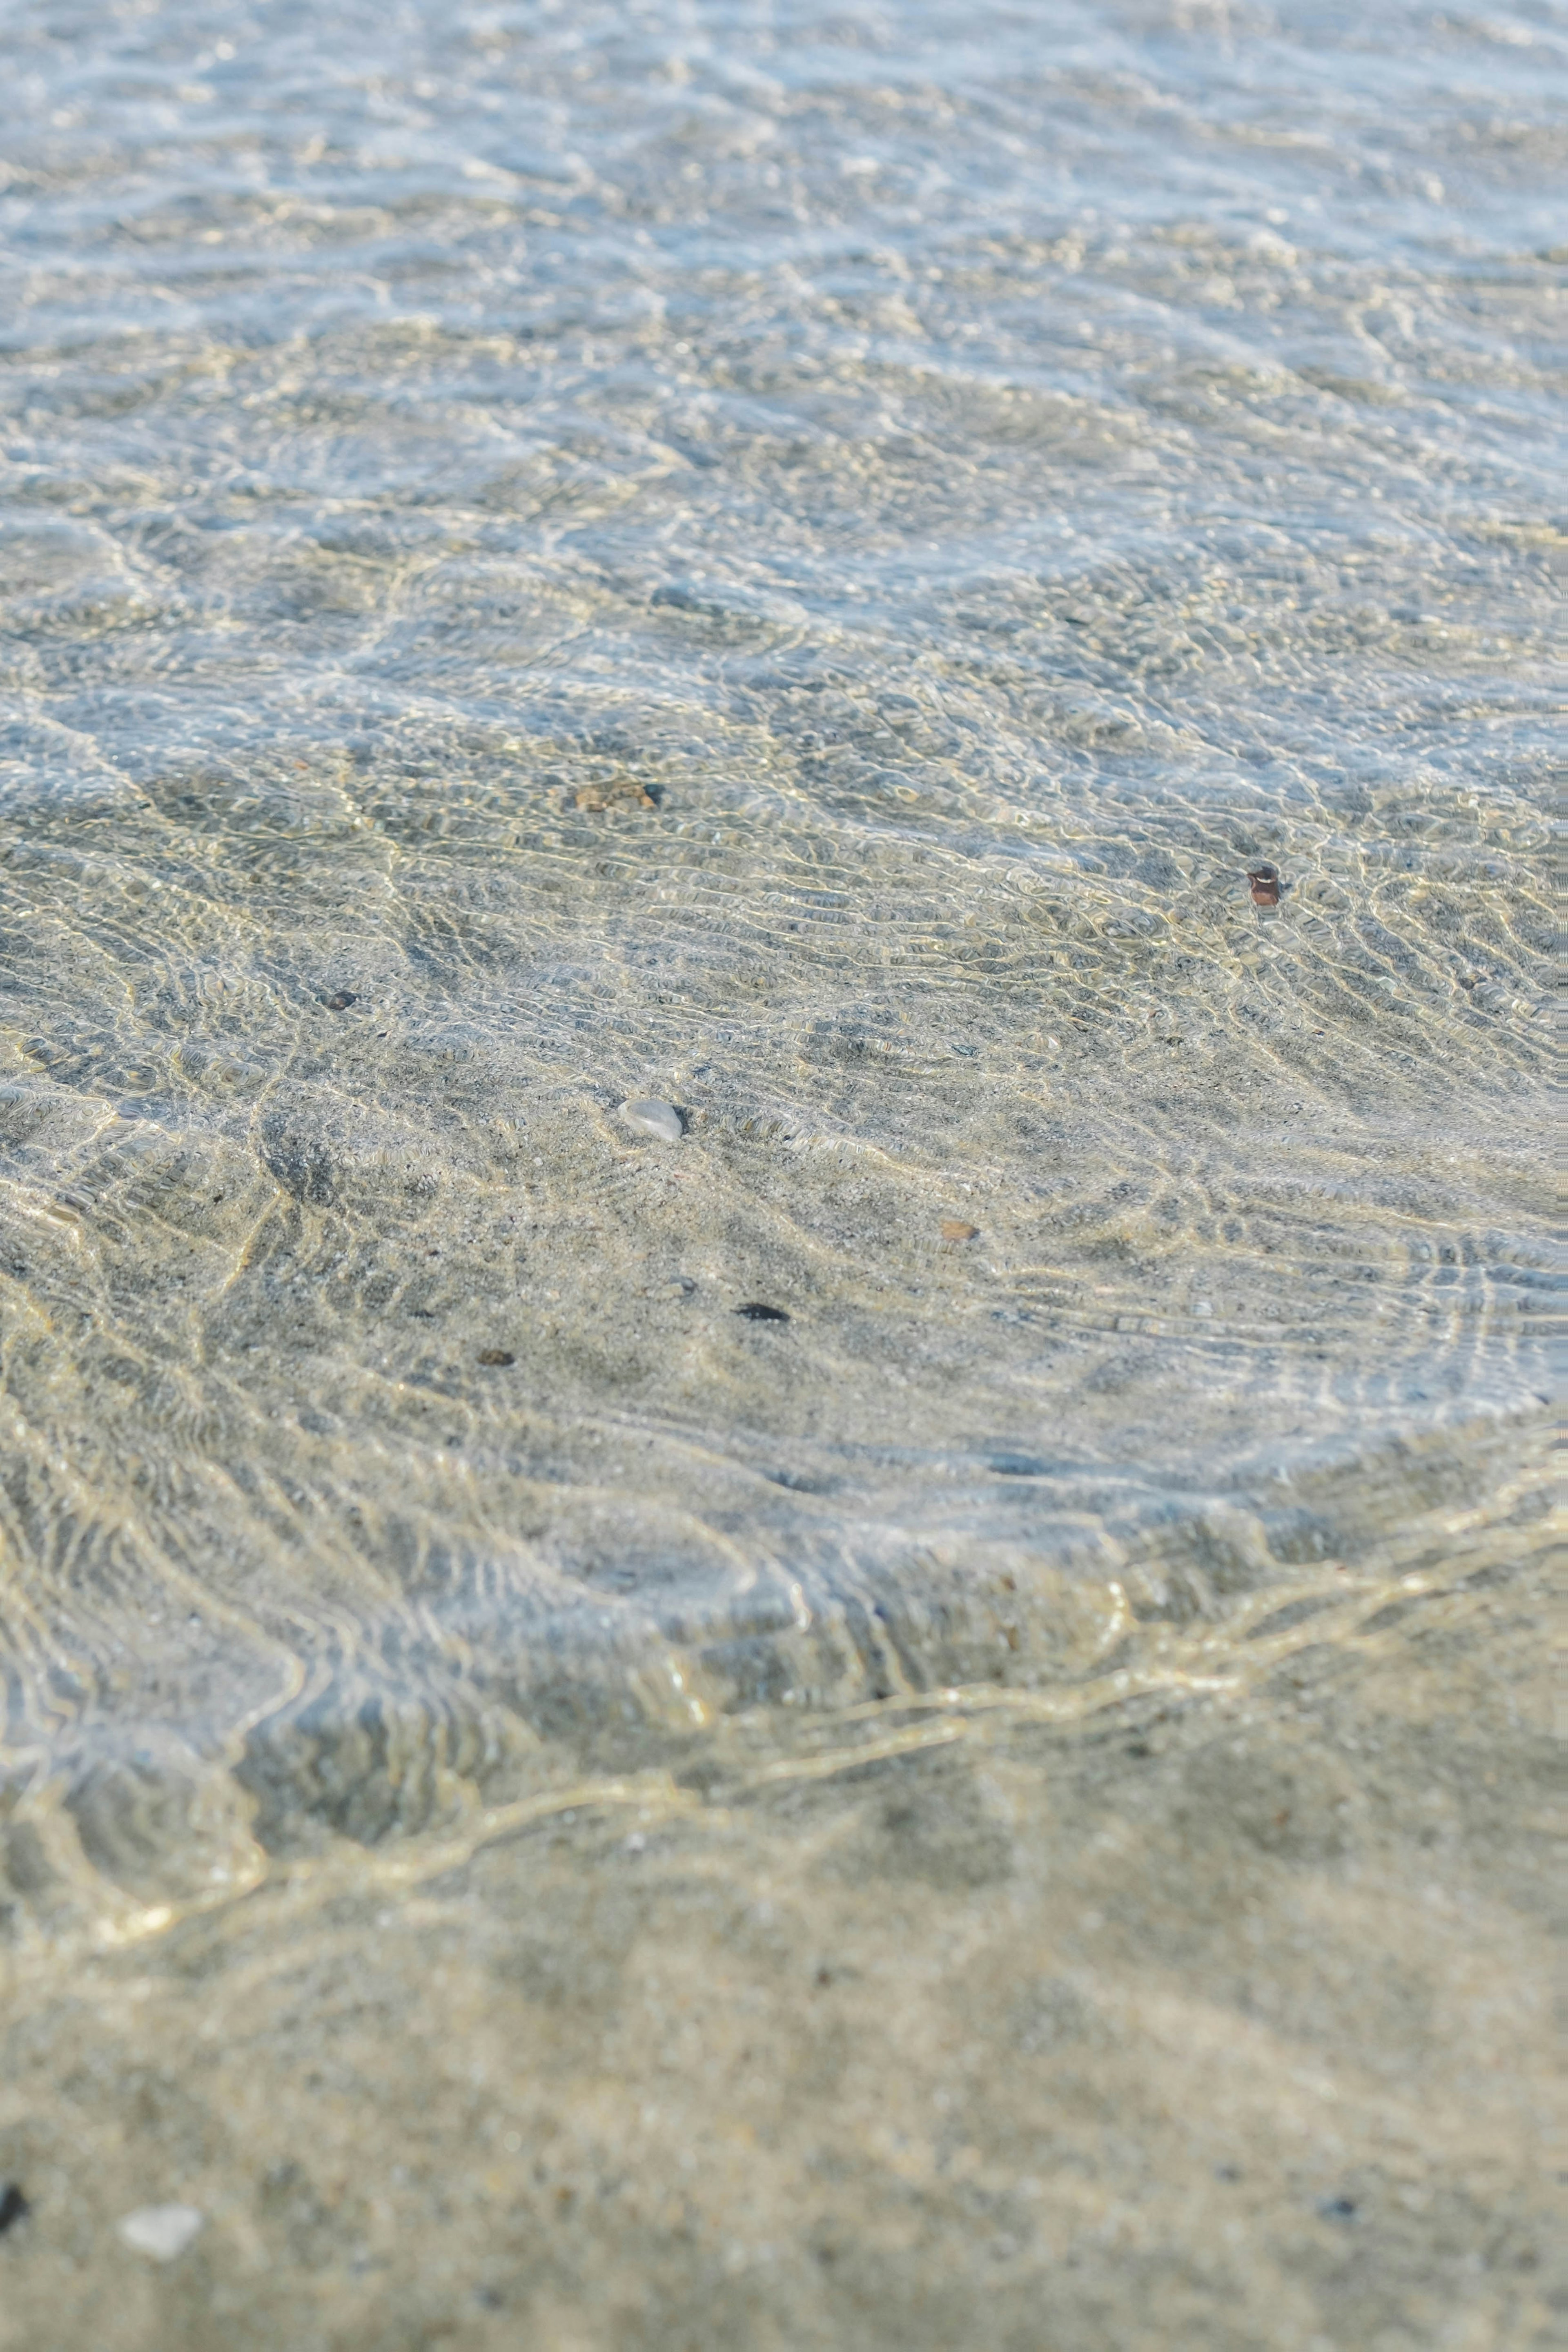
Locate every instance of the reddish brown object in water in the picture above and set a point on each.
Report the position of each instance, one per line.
(1265, 881)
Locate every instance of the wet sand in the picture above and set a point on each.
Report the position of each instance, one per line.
(1214, 2017)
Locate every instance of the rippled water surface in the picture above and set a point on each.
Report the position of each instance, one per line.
(797, 560)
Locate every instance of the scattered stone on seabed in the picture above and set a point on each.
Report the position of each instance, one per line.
(1265, 881)
(652, 1118)
(757, 1311)
(162, 2231)
(954, 1229)
(341, 1001)
(14, 2205)
(500, 1357)
(614, 793)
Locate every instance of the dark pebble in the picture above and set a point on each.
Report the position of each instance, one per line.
(756, 1311)
(341, 1001)
(13, 2206)
(1265, 881)
(1338, 2209)
(500, 1357)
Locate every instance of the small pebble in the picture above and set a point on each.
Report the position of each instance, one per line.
(14, 2205)
(341, 1001)
(162, 2231)
(652, 1118)
(498, 1356)
(953, 1229)
(756, 1310)
(1265, 881)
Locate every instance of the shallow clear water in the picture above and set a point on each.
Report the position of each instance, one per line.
(787, 560)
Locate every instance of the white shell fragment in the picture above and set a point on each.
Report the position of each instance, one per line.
(160, 2231)
(652, 1118)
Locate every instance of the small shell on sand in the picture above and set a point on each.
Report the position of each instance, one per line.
(651, 1118)
(160, 2231)
(953, 1229)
